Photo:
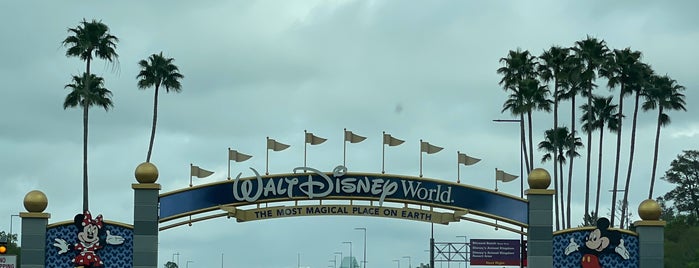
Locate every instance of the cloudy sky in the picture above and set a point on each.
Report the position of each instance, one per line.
(415, 69)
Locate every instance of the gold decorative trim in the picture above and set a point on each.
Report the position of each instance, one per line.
(650, 223)
(539, 192)
(150, 186)
(35, 215)
(590, 228)
(61, 223)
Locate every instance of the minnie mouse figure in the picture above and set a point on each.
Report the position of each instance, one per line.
(599, 241)
(89, 241)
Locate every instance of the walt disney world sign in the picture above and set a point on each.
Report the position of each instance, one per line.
(311, 184)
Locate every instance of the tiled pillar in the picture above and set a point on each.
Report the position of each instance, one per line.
(651, 232)
(540, 230)
(145, 226)
(34, 223)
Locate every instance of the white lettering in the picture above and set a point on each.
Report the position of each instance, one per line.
(318, 185)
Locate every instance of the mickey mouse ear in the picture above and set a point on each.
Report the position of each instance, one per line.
(602, 223)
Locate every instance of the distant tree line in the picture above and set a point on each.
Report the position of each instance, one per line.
(680, 209)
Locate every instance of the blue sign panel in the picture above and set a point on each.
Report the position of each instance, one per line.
(496, 252)
(315, 185)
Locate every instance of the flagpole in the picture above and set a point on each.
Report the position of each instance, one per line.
(190, 174)
(383, 152)
(458, 168)
(229, 163)
(344, 147)
(267, 158)
(305, 144)
(496, 179)
(421, 158)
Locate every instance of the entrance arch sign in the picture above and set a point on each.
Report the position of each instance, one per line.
(311, 184)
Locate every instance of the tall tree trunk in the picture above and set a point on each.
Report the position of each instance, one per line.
(589, 152)
(560, 168)
(556, 196)
(524, 143)
(531, 143)
(599, 170)
(655, 153)
(571, 158)
(86, 83)
(561, 200)
(155, 119)
(631, 152)
(556, 171)
(85, 202)
(618, 154)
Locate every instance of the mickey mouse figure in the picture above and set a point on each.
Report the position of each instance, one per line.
(599, 241)
(89, 241)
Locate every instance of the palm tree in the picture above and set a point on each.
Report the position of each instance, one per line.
(530, 97)
(155, 72)
(572, 85)
(591, 53)
(554, 146)
(84, 41)
(91, 38)
(663, 95)
(622, 69)
(638, 87)
(572, 144)
(87, 91)
(552, 67)
(602, 112)
(519, 65)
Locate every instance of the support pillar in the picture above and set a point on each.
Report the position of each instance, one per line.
(145, 227)
(34, 223)
(651, 232)
(540, 215)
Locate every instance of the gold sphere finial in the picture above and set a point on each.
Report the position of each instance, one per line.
(35, 201)
(539, 178)
(146, 172)
(649, 210)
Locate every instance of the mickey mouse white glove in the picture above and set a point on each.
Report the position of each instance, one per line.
(621, 250)
(61, 244)
(572, 247)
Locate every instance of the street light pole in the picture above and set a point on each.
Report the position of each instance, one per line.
(178, 258)
(410, 264)
(351, 260)
(363, 229)
(340, 253)
(521, 176)
(11, 217)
